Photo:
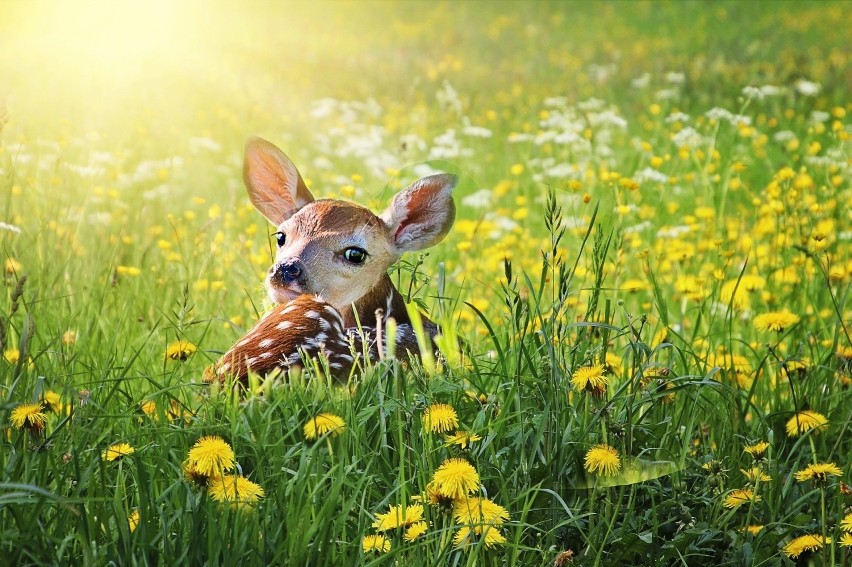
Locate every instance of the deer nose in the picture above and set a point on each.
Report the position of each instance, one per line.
(289, 271)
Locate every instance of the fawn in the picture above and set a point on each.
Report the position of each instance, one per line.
(330, 276)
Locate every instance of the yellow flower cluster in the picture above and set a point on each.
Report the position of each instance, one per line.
(207, 464)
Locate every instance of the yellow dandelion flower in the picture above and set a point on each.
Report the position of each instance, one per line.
(754, 474)
(818, 472)
(753, 529)
(805, 421)
(180, 350)
(810, 542)
(489, 535)
(52, 401)
(128, 271)
(133, 520)
(322, 424)
(846, 523)
(117, 452)
(235, 490)
(439, 418)
(737, 498)
(12, 266)
(28, 416)
(455, 479)
(461, 438)
(69, 337)
(377, 543)
(590, 378)
(757, 450)
(632, 286)
(415, 530)
(603, 459)
(12, 356)
(613, 364)
(844, 353)
(846, 539)
(210, 456)
(775, 321)
(397, 516)
(149, 408)
(479, 511)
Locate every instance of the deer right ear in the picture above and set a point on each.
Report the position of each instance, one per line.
(422, 214)
(274, 185)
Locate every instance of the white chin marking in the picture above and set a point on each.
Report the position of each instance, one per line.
(280, 295)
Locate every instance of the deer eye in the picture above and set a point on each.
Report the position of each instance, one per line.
(355, 255)
(281, 237)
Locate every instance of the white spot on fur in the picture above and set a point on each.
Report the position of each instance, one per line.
(265, 343)
(312, 314)
(283, 325)
(251, 361)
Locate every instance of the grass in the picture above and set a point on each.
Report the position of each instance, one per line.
(631, 198)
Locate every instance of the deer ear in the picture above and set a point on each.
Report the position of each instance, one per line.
(274, 185)
(421, 215)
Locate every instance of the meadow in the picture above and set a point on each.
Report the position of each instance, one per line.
(650, 272)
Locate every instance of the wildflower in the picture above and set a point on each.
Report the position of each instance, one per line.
(757, 450)
(322, 424)
(477, 511)
(846, 539)
(28, 416)
(377, 543)
(127, 271)
(805, 421)
(210, 456)
(754, 474)
(810, 542)
(69, 337)
(818, 472)
(52, 401)
(149, 408)
(12, 356)
(415, 530)
(455, 479)
(180, 350)
(739, 497)
(846, 523)
(489, 535)
(775, 321)
(12, 266)
(397, 516)
(439, 418)
(461, 438)
(603, 459)
(133, 520)
(754, 530)
(117, 452)
(236, 490)
(590, 379)
(633, 286)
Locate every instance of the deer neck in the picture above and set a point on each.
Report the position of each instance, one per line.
(382, 296)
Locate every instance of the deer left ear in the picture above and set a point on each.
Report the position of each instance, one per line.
(421, 215)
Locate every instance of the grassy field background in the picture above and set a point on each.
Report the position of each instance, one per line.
(656, 195)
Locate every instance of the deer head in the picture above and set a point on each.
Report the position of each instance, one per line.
(336, 249)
